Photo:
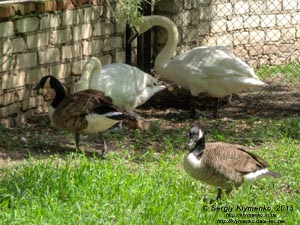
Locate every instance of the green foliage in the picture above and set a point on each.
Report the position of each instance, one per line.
(290, 72)
(290, 128)
(129, 11)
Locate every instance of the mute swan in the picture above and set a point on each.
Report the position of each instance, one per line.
(127, 85)
(87, 111)
(221, 164)
(211, 69)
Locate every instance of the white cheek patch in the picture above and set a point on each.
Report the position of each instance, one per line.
(47, 83)
(200, 134)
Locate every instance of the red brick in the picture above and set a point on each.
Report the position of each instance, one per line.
(82, 2)
(29, 7)
(65, 4)
(6, 11)
(19, 9)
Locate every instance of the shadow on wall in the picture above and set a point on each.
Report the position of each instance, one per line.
(193, 20)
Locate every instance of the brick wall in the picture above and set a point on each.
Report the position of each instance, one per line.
(57, 37)
(50, 38)
(260, 31)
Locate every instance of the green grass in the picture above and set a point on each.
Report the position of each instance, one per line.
(143, 182)
(290, 72)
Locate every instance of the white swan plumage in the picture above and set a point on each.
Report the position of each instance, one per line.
(211, 69)
(127, 85)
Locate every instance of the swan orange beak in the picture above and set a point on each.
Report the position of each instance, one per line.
(133, 36)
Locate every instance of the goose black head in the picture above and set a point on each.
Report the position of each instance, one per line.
(47, 82)
(53, 83)
(195, 134)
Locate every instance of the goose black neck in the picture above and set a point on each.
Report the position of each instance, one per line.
(60, 92)
(200, 144)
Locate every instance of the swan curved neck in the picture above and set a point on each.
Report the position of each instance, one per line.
(93, 65)
(164, 57)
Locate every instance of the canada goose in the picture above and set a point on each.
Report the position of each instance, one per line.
(126, 85)
(211, 69)
(87, 111)
(221, 164)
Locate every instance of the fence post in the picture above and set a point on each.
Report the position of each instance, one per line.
(144, 44)
(127, 45)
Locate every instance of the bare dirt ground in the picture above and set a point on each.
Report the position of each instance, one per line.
(171, 107)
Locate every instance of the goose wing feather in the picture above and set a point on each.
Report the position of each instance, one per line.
(82, 103)
(233, 161)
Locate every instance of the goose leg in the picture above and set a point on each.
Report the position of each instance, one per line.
(77, 141)
(104, 146)
(219, 193)
(216, 107)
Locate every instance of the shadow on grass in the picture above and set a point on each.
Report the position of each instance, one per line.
(249, 119)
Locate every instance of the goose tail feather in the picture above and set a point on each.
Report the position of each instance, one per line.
(273, 174)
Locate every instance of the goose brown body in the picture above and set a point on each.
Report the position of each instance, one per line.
(73, 111)
(223, 165)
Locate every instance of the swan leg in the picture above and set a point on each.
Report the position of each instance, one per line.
(216, 107)
(104, 146)
(193, 105)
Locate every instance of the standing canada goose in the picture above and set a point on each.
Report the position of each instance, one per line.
(211, 69)
(221, 164)
(87, 111)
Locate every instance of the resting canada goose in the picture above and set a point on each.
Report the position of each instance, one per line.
(211, 69)
(221, 164)
(87, 111)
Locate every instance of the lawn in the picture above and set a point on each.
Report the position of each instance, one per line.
(142, 181)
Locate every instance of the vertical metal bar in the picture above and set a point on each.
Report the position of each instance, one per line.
(144, 44)
(127, 45)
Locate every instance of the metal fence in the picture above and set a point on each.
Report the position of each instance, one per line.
(264, 33)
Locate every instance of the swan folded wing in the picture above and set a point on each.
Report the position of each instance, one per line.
(122, 78)
(228, 67)
(211, 50)
(209, 63)
(226, 49)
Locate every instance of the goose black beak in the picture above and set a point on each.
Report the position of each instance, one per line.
(191, 143)
(133, 36)
(37, 87)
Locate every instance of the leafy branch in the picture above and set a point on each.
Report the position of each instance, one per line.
(129, 11)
